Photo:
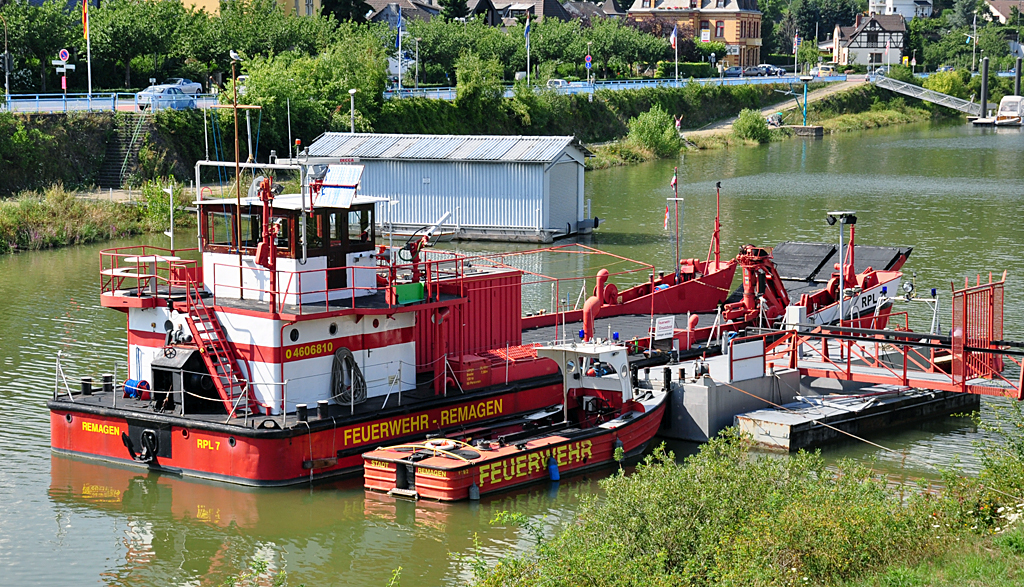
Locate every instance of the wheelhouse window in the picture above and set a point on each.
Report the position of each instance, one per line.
(220, 228)
(360, 229)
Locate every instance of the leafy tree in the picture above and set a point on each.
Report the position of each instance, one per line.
(452, 9)
(317, 86)
(37, 33)
(963, 13)
(122, 30)
(808, 52)
(354, 10)
(822, 15)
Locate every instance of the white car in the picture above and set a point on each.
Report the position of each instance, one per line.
(557, 84)
(186, 86)
(157, 97)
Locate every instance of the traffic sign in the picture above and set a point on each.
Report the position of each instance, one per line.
(588, 65)
(64, 55)
(913, 62)
(588, 58)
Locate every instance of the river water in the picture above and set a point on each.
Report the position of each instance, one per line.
(953, 192)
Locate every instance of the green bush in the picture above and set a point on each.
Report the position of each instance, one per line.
(947, 82)
(655, 130)
(751, 126)
(667, 70)
(729, 517)
(902, 73)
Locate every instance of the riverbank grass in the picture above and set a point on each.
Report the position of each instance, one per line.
(57, 217)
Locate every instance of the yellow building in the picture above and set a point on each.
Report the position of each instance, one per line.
(300, 7)
(737, 23)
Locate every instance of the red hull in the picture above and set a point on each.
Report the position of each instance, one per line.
(253, 456)
(510, 466)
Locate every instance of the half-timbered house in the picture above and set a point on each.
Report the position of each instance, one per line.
(873, 40)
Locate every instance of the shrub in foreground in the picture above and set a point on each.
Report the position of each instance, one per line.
(729, 517)
(750, 125)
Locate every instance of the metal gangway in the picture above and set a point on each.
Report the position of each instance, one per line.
(972, 358)
(920, 93)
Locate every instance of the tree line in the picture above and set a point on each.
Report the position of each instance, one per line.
(135, 40)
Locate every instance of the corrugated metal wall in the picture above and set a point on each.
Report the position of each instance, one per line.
(563, 187)
(502, 195)
(490, 318)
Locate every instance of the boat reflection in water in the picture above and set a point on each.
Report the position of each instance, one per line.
(173, 530)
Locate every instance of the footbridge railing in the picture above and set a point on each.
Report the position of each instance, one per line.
(934, 97)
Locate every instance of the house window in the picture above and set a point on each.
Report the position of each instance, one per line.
(705, 25)
(872, 39)
(693, 4)
(309, 7)
(875, 58)
(719, 28)
(720, 4)
(646, 4)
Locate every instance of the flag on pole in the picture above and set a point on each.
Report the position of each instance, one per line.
(526, 33)
(85, 19)
(674, 36)
(887, 46)
(666, 216)
(673, 183)
(398, 38)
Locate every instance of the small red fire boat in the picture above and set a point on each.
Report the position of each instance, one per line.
(605, 409)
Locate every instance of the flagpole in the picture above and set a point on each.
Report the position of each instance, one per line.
(88, 51)
(675, 44)
(527, 48)
(675, 189)
(399, 51)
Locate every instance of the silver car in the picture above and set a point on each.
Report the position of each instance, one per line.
(164, 96)
(187, 86)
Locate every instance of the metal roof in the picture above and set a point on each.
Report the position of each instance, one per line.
(443, 147)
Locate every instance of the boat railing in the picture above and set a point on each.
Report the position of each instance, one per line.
(308, 291)
(143, 269)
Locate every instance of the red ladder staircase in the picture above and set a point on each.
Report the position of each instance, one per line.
(219, 355)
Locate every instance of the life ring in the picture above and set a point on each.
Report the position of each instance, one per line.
(440, 444)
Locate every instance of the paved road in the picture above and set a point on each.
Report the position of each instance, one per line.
(784, 107)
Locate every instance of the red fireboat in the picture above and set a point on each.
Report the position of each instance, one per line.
(288, 343)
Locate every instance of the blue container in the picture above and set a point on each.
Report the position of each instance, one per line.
(136, 389)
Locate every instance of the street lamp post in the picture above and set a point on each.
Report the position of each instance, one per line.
(850, 218)
(417, 63)
(352, 105)
(806, 79)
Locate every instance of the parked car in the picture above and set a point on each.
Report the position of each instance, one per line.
(754, 71)
(945, 68)
(883, 70)
(772, 70)
(187, 86)
(163, 96)
(823, 71)
(734, 72)
(557, 84)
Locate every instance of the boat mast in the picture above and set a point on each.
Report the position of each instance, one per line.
(718, 227)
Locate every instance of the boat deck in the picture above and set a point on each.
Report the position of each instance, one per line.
(338, 415)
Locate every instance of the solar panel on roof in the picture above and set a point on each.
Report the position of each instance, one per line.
(339, 187)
